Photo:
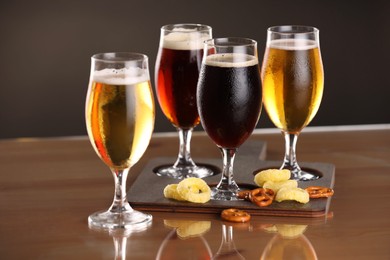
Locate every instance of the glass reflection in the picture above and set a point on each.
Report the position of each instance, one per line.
(289, 242)
(227, 249)
(120, 237)
(186, 239)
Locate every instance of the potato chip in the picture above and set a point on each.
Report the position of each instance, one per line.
(193, 229)
(290, 230)
(175, 223)
(296, 194)
(170, 192)
(277, 185)
(270, 229)
(271, 175)
(194, 190)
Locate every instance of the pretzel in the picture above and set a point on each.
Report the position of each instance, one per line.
(244, 194)
(319, 192)
(235, 215)
(262, 197)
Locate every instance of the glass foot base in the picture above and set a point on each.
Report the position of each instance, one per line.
(133, 220)
(184, 172)
(302, 175)
(219, 194)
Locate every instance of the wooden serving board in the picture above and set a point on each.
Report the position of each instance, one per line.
(147, 191)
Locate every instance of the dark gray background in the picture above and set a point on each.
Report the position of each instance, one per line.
(45, 51)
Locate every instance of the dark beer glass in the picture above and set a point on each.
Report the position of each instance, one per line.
(229, 98)
(177, 70)
(293, 83)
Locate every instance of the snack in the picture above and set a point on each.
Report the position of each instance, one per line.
(175, 223)
(194, 190)
(277, 185)
(262, 197)
(319, 192)
(188, 228)
(271, 175)
(170, 192)
(290, 231)
(270, 228)
(296, 194)
(235, 215)
(244, 194)
(194, 229)
(286, 230)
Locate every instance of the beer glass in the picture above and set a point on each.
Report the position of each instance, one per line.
(229, 101)
(176, 74)
(293, 82)
(227, 249)
(120, 120)
(296, 247)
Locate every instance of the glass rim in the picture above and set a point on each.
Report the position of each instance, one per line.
(293, 29)
(175, 27)
(230, 42)
(119, 57)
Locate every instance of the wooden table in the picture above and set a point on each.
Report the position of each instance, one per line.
(48, 187)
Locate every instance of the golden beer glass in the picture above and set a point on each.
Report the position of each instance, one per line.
(120, 116)
(293, 82)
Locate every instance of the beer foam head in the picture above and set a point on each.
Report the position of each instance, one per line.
(125, 76)
(292, 44)
(229, 60)
(184, 39)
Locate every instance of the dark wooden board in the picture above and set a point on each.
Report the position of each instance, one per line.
(147, 191)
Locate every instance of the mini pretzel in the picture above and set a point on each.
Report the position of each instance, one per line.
(244, 194)
(235, 215)
(319, 192)
(262, 197)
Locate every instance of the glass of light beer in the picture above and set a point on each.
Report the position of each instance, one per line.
(176, 74)
(120, 115)
(293, 82)
(229, 97)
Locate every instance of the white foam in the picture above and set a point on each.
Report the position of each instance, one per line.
(125, 76)
(184, 39)
(293, 44)
(231, 60)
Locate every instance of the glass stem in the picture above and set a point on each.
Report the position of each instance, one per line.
(227, 249)
(227, 182)
(227, 237)
(120, 203)
(290, 159)
(184, 158)
(120, 245)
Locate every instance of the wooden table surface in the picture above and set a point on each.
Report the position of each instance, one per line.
(49, 186)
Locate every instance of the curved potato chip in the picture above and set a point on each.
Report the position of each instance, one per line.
(194, 190)
(270, 229)
(193, 229)
(271, 175)
(175, 223)
(296, 194)
(277, 185)
(290, 230)
(170, 192)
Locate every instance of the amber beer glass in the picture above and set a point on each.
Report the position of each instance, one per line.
(293, 82)
(229, 99)
(177, 69)
(120, 116)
